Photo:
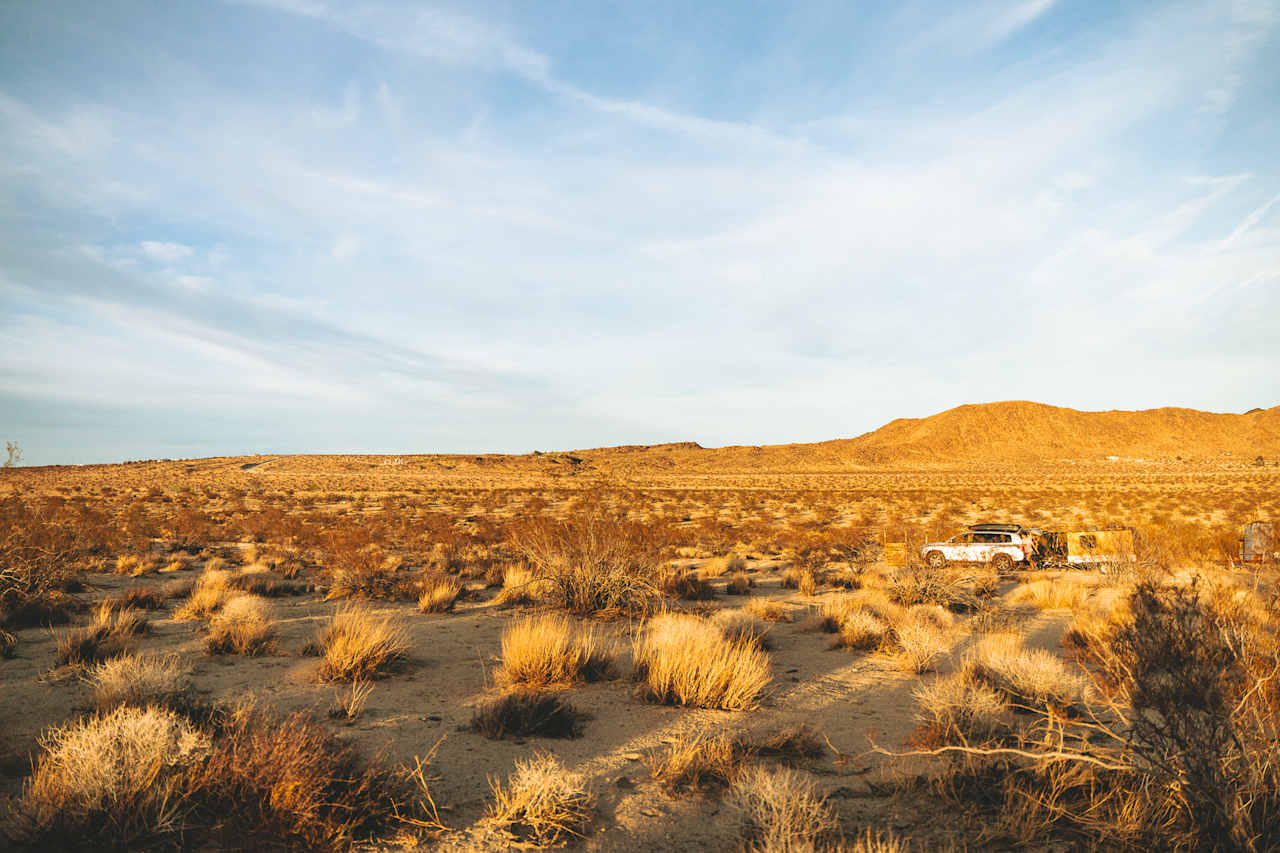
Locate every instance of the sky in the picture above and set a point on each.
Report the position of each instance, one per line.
(300, 226)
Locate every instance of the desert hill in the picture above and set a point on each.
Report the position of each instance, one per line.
(1023, 430)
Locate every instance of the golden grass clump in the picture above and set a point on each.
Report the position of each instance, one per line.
(519, 587)
(697, 761)
(242, 627)
(359, 645)
(718, 566)
(768, 611)
(440, 595)
(742, 625)
(113, 774)
(1058, 594)
(110, 634)
(781, 811)
(542, 802)
(139, 681)
(547, 650)
(210, 593)
(1029, 677)
(684, 660)
(739, 584)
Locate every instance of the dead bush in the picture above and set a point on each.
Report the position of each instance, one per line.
(112, 781)
(542, 802)
(140, 682)
(527, 713)
(781, 811)
(687, 586)
(110, 634)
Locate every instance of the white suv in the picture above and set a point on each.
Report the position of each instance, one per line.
(1000, 545)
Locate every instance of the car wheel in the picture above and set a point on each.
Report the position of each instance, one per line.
(1002, 562)
(935, 560)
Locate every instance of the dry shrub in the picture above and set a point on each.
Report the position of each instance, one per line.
(142, 598)
(1032, 678)
(210, 593)
(110, 634)
(790, 743)
(718, 566)
(921, 585)
(741, 625)
(875, 842)
(859, 629)
(242, 627)
(781, 811)
(546, 650)
(110, 781)
(142, 681)
(359, 645)
(739, 584)
(807, 583)
(685, 660)
(790, 578)
(527, 713)
(277, 780)
(1182, 749)
(592, 562)
(1062, 593)
(8, 644)
(697, 761)
(440, 595)
(349, 704)
(256, 580)
(954, 709)
(768, 611)
(686, 585)
(519, 587)
(542, 802)
(920, 645)
(45, 608)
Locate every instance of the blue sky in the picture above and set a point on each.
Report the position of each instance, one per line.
(303, 226)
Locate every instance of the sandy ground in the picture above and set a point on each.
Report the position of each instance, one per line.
(850, 697)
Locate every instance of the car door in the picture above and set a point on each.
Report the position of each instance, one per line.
(983, 547)
(956, 548)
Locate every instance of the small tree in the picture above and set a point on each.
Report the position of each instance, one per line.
(14, 452)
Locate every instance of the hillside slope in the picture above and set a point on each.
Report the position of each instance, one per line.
(1019, 430)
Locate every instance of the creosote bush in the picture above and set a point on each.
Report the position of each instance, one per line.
(592, 562)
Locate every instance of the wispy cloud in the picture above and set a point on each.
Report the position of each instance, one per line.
(445, 234)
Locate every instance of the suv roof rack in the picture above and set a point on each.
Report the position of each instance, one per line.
(996, 528)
